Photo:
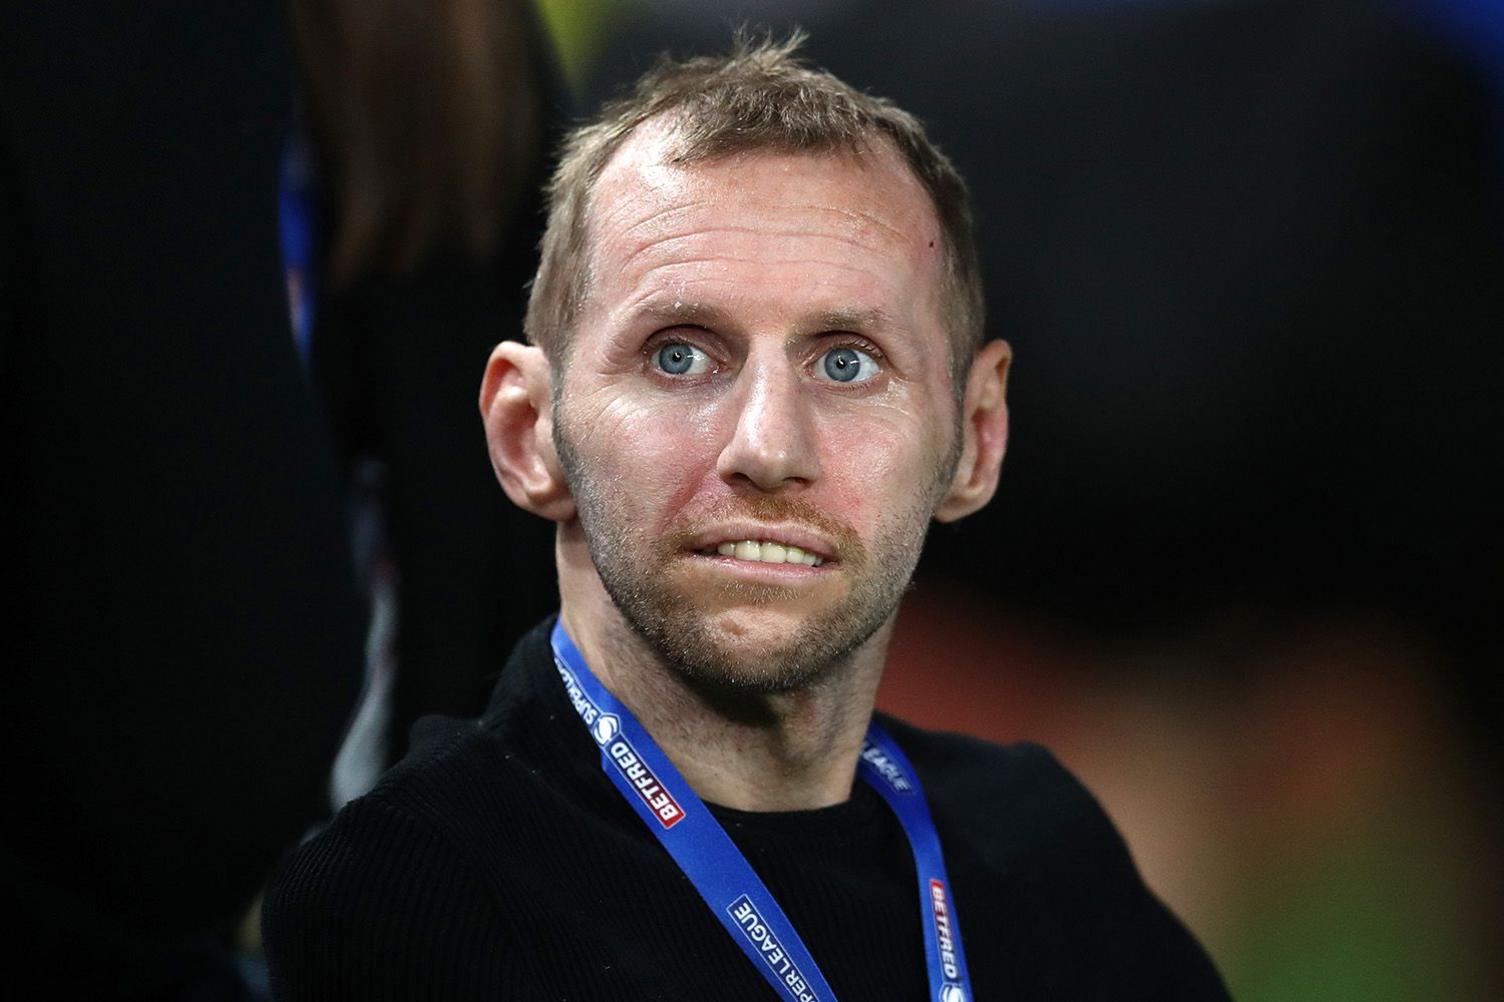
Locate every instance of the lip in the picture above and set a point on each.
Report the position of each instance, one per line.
(756, 570)
(786, 535)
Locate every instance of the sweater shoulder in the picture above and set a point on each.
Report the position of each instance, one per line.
(1016, 802)
(443, 752)
(1032, 822)
(350, 914)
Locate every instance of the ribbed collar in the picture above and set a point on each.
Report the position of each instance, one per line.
(530, 713)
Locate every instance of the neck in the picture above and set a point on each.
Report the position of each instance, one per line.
(751, 751)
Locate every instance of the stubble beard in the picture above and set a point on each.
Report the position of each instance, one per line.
(636, 576)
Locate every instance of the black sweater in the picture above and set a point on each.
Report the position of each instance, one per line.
(498, 861)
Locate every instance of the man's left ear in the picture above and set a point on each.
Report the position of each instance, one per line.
(516, 404)
(984, 433)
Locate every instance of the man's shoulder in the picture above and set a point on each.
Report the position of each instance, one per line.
(456, 767)
(430, 806)
(351, 912)
(466, 785)
(1015, 801)
(1023, 772)
(421, 799)
(1019, 761)
(452, 776)
(1046, 846)
(437, 748)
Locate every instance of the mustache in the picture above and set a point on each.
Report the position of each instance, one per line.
(774, 508)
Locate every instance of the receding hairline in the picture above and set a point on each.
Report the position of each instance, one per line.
(762, 98)
(658, 141)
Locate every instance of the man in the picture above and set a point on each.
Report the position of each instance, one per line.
(755, 373)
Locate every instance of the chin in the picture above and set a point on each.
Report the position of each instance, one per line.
(731, 668)
(765, 649)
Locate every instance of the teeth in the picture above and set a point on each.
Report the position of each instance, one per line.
(767, 553)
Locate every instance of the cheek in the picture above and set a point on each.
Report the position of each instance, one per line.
(652, 459)
(874, 468)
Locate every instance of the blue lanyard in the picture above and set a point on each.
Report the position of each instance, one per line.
(712, 862)
(297, 205)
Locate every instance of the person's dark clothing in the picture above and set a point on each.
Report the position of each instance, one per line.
(498, 861)
(181, 633)
(397, 361)
(398, 364)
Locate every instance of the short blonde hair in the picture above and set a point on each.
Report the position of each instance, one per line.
(759, 97)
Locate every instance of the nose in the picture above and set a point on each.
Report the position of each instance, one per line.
(773, 443)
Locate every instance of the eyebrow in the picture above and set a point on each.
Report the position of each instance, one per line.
(683, 312)
(707, 315)
(873, 319)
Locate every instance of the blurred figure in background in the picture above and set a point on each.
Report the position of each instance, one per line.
(427, 126)
(1249, 255)
(180, 639)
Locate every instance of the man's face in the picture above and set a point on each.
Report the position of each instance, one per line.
(759, 374)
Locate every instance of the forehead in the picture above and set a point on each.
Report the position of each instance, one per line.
(848, 226)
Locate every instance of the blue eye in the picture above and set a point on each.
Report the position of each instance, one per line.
(848, 365)
(679, 359)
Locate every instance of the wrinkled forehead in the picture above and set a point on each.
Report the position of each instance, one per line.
(870, 194)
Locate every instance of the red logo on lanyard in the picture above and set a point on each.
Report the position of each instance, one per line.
(940, 906)
(664, 807)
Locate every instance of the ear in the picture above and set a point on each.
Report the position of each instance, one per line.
(984, 431)
(516, 404)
